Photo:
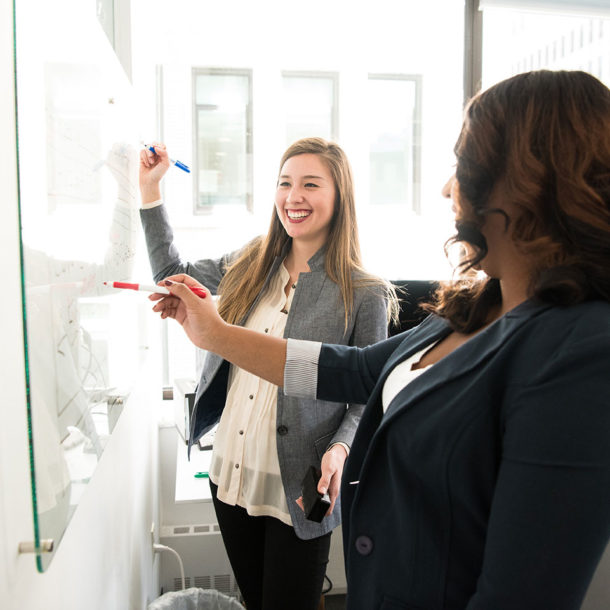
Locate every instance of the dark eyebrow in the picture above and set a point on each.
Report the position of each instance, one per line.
(286, 176)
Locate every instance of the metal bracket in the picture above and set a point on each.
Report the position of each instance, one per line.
(46, 546)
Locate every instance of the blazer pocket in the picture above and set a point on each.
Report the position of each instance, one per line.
(322, 443)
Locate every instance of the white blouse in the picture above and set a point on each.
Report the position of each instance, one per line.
(245, 464)
(401, 376)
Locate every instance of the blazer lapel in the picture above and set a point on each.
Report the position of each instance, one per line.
(464, 359)
(459, 362)
(432, 329)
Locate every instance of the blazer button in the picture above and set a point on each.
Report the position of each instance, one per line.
(364, 545)
(282, 430)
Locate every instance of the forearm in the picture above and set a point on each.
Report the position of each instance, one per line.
(259, 354)
(347, 429)
(150, 192)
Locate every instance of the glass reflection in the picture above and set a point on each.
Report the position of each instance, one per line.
(77, 197)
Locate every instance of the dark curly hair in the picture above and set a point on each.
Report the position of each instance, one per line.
(546, 136)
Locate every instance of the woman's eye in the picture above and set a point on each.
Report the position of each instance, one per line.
(284, 184)
(310, 185)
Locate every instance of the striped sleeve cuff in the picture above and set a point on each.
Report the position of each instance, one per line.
(301, 370)
(344, 445)
(152, 204)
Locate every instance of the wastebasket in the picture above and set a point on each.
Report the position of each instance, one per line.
(195, 599)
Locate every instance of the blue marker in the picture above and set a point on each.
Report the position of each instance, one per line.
(179, 164)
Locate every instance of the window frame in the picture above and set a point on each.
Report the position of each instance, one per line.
(334, 77)
(473, 48)
(417, 79)
(247, 72)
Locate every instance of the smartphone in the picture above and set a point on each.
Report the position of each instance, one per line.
(314, 503)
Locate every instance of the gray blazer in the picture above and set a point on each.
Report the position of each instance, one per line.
(305, 427)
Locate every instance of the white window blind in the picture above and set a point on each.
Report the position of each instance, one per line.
(589, 8)
(518, 40)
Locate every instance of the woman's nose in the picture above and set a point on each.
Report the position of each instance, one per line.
(294, 195)
(446, 190)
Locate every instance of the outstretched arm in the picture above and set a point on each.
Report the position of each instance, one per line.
(307, 369)
(259, 354)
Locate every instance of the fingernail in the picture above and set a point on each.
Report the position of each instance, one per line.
(168, 282)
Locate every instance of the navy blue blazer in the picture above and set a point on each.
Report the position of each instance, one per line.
(486, 484)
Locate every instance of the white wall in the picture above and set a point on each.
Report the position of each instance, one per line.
(105, 558)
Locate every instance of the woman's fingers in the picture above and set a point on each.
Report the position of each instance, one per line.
(181, 278)
(149, 159)
(166, 304)
(156, 296)
(144, 158)
(170, 307)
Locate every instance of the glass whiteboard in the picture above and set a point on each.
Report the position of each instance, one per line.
(77, 164)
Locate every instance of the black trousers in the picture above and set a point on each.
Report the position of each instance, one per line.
(274, 569)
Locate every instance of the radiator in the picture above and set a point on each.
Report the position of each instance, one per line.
(206, 564)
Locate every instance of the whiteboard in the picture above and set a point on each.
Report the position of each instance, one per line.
(77, 162)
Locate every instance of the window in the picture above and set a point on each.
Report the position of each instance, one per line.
(223, 150)
(386, 82)
(115, 19)
(310, 105)
(555, 38)
(394, 113)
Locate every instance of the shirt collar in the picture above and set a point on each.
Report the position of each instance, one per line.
(315, 263)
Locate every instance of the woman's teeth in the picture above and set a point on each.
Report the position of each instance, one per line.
(295, 214)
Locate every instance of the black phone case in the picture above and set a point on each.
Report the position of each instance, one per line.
(314, 503)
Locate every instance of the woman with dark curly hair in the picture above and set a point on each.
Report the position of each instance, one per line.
(479, 477)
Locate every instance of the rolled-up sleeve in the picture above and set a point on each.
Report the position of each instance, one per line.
(301, 370)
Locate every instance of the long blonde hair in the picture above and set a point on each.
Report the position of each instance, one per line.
(246, 276)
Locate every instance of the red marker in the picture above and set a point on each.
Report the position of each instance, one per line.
(200, 292)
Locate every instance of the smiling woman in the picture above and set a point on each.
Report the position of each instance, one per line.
(304, 279)
(305, 201)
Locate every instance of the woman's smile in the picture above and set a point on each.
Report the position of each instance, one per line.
(298, 215)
